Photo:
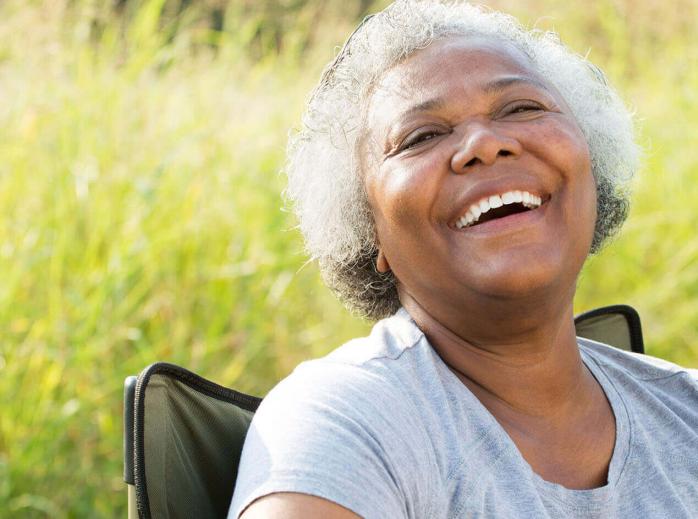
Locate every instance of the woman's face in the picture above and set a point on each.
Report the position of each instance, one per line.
(458, 124)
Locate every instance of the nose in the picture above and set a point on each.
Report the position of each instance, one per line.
(482, 144)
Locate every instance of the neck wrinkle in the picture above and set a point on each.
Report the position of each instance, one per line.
(538, 375)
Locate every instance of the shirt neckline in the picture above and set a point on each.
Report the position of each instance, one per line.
(595, 497)
(584, 499)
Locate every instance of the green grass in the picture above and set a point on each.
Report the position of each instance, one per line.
(140, 214)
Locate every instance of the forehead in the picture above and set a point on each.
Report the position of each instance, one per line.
(446, 68)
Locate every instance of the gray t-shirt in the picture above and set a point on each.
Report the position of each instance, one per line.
(384, 428)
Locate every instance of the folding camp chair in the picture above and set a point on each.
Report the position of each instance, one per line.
(183, 438)
(183, 434)
(616, 325)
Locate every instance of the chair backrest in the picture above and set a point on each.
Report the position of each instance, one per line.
(186, 434)
(616, 325)
(183, 434)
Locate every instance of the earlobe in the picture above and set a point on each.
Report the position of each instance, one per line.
(382, 264)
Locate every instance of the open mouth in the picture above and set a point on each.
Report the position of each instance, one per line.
(501, 212)
(499, 206)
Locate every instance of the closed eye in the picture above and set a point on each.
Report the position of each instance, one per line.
(419, 138)
(523, 108)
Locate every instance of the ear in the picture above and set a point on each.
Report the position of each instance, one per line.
(382, 264)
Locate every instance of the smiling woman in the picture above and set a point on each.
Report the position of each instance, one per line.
(452, 175)
(498, 129)
(333, 210)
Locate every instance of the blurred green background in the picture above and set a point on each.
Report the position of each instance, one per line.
(141, 218)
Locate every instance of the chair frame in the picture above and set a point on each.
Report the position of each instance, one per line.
(632, 319)
(134, 425)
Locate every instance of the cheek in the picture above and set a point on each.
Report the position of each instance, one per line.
(583, 188)
(586, 213)
(580, 167)
(568, 152)
(404, 194)
(565, 149)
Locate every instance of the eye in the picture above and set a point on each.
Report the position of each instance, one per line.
(523, 108)
(419, 137)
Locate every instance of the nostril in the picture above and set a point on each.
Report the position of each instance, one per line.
(504, 153)
(472, 162)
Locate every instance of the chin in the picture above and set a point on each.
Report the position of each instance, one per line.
(525, 276)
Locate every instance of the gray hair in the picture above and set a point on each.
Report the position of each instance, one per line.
(325, 183)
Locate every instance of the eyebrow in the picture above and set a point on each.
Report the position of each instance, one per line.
(497, 85)
(490, 88)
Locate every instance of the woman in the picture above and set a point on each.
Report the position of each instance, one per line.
(452, 175)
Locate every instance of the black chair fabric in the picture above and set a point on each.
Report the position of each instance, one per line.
(188, 437)
(616, 325)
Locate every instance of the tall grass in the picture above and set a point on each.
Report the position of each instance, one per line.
(140, 216)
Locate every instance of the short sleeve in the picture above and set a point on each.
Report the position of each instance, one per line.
(330, 430)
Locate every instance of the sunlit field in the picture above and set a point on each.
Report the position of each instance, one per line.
(141, 217)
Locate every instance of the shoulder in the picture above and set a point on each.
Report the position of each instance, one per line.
(636, 365)
(648, 383)
(370, 387)
(389, 339)
(340, 423)
(360, 370)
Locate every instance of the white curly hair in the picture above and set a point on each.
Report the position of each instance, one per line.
(325, 182)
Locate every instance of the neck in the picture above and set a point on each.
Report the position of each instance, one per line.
(522, 368)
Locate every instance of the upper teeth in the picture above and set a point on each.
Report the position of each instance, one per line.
(510, 197)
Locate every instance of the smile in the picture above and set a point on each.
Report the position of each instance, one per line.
(498, 206)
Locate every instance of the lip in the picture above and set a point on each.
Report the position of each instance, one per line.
(513, 222)
(486, 189)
